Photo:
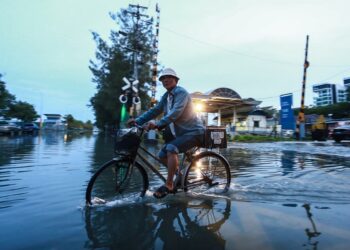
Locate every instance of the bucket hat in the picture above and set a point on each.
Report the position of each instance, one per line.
(168, 72)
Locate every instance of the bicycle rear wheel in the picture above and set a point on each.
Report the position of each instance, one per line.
(208, 172)
(117, 180)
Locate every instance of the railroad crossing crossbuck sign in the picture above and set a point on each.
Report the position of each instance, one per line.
(132, 85)
(131, 90)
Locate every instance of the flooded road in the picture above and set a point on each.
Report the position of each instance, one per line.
(291, 195)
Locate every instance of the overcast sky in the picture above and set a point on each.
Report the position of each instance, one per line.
(255, 47)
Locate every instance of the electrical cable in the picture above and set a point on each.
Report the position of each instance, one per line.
(241, 53)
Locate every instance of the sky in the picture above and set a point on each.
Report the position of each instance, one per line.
(255, 47)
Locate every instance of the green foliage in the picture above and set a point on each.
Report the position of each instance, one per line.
(10, 108)
(114, 60)
(270, 111)
(5, 98)
(22, 110)
(338, 110)
(76, 124)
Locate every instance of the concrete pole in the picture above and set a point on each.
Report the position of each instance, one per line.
(234, 118)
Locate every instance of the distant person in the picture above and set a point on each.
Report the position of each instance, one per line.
(183, 129)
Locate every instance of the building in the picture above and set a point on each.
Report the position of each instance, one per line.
(341, 94)
(232, 111)
(325, 94)
(346, 86)
(328, 94)
(54, 122)
(347, 82)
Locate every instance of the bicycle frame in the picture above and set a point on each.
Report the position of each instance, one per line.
(148, 164)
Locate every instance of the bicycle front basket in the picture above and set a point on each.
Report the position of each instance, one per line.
(127, 141)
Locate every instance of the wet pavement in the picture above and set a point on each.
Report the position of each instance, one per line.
(285, 195)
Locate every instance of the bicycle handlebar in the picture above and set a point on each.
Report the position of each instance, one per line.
(134, 124)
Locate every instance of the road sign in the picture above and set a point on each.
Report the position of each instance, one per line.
(132, 85)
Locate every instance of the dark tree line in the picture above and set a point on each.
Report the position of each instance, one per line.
(114, 60)
(11, 108)
(337, 111)
(73, 124)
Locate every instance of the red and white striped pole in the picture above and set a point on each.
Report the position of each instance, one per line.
(155, 60)
(300, 128)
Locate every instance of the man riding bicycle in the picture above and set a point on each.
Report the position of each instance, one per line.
(183, 129)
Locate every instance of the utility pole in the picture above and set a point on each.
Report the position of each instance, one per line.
(155, 60)
(138, 16)
(300, 129)
(130, 90)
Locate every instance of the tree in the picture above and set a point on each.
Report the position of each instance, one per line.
(69, 119)
(338, 110)
(88, 125)
(5, 98)
(270, 111)
(22, 111)
(348, 93)
(74, 124)
(10, 108)
(114, 60)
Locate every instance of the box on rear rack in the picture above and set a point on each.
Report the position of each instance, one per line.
(215, 137)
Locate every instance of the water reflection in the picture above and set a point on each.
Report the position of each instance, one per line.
(14, 150)
(74, 135)
(282, 172)
(311, 233)
(184, 223)
(25, 159)
(288, 162)
(43, 180)
(103, 151)
(50, 138)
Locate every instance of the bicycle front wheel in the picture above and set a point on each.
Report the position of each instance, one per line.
(208, 172)
(117, 180)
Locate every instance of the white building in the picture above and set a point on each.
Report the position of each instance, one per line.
(328, 94)
(54, 122)
(346, 84)
(341, 94)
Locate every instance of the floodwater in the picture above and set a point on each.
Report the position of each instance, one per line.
(292, 195)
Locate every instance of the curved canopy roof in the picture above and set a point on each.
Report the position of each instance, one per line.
(224, 92)
(224, 99)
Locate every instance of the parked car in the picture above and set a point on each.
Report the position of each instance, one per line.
(8, 128)
(341, 133)
(30, 128)
(287, 133)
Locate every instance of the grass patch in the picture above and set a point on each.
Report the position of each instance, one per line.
(258, 138)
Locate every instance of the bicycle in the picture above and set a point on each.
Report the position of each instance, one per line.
(125, 177)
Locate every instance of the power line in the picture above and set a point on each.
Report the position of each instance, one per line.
(309, 87)
(348, 69)
(228, 50)
(298, 90)
(241, 53)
